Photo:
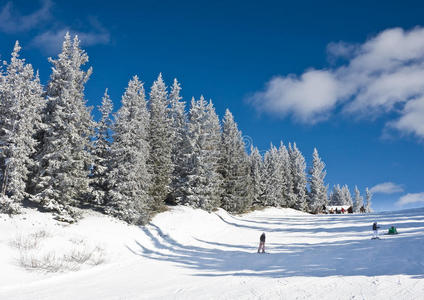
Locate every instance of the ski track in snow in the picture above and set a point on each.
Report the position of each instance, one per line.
(188, 253)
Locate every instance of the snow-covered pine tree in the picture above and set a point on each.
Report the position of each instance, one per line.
(359, 200)
(336, 197)
(288, 197)
(180, 143)
(190, 166)
(368, 196)
(318, 190)
(298, 167)
(202, 182)
(330, 197)
(346, 196)
(128, 177)
(160, 136)
(256, 167)
(101, 151)
(21, 104)
(236, 195)
(273, 177)
(212, 155)
(64, 159)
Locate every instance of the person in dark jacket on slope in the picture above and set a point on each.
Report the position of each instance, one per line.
(262, 243)
(375, 230)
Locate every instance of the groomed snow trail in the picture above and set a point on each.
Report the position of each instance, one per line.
(188, 253)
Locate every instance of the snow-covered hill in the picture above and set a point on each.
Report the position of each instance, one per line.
(188, 253)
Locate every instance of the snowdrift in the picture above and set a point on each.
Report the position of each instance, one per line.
(187, 253)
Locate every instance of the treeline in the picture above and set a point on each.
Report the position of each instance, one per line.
(152, 152)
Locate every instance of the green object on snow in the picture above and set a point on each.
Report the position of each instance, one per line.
(392, 230)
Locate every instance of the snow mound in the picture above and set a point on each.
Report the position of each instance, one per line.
(274, 211)
(187, 253)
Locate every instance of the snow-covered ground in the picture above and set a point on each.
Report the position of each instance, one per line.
(190, 254)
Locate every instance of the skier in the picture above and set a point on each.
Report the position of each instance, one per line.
(262, 243)
(375, 230)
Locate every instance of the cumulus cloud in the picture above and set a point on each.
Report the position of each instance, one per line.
(410, 199)
(412, 119)
(11, 21)
(386, 188)
(51, 41)
(309, 97)
(339, 50)
(384, 74)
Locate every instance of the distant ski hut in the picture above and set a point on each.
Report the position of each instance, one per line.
(339, 209)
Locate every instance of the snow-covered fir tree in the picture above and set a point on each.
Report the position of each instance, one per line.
(160, 135)
(318, 190)
(64, 159)
(358, 201)
(267, 197)
(256, 170)
(346, 196)
(298, 167)
(128, 177)
(21, 104)
(288, 195)
(278, 178)
(236, 194)
(368, 196)
(101, 151)
(272, 177)
(202, 182)
(336, 196)
(180, 143)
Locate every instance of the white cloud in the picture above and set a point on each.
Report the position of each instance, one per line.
(309, 97)
(51, 41)
(411, 198)
(386, 188)
(11, 21)
(340, 50)
(384, 74)
(412, 119)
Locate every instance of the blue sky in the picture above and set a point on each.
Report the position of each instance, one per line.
(342, 77)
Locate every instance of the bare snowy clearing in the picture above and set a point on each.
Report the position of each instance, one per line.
(188, 253)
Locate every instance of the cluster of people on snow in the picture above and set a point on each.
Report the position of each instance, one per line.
(391, 231)
(342, 210)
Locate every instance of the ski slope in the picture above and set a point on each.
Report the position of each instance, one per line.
(187, 253)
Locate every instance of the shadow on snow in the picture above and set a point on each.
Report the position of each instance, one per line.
(357, 257)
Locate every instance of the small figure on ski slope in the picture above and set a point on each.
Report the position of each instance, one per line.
(375, 230)
(262, 243)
